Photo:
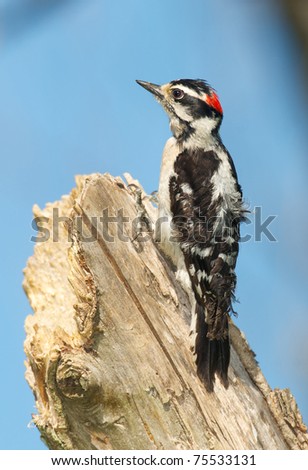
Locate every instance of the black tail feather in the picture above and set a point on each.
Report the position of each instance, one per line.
(212, 355)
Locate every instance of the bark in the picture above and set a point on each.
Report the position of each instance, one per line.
(108, 355)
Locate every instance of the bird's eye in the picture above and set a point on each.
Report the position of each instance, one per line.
(177, 93)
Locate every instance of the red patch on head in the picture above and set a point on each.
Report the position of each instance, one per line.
(213, 101)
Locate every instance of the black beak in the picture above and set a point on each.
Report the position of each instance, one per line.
(155, 89)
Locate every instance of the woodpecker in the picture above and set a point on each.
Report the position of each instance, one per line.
(200, 208)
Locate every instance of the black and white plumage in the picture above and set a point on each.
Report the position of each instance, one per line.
(201, 201)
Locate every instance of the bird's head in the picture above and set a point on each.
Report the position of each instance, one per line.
(193, 107)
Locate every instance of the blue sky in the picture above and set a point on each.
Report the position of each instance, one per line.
(70, 105)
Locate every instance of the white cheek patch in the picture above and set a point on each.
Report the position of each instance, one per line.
(181, 112)
(204, 126)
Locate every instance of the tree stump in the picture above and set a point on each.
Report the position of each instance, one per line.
(108, 355)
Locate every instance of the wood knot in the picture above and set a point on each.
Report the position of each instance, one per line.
(75, 376)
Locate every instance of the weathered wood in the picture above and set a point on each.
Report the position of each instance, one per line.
(108, 344)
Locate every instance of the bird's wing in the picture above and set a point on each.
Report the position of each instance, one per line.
(208, 235)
